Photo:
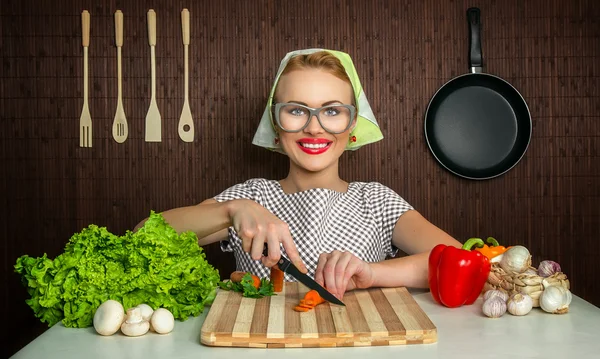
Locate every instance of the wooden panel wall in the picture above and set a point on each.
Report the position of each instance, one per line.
(403, 50)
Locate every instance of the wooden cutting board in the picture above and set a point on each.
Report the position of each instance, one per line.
(376, 316)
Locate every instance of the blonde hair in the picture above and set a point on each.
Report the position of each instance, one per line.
(321, 60)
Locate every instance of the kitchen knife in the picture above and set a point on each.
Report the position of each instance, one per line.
(286, 266)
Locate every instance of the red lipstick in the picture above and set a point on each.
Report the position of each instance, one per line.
(314, 146)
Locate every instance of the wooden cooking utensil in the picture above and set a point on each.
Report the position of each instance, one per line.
(119, 128)
(85, 120)
(186, 123)
(153, 119)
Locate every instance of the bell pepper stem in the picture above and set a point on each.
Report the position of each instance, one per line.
(493, 241)
(472, 242)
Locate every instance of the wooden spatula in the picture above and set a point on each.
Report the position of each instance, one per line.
(119, 128)
(186, 123)
(153, 120)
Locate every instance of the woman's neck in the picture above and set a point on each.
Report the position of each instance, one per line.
(299, 180)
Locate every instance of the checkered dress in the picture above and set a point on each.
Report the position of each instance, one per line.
(360, 221)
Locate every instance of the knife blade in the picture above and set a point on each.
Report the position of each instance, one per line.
(286, 266)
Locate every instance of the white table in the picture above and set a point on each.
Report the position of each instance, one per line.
(462, 333)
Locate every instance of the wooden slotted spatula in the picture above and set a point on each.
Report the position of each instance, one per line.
(153, 120)
(85, 120)
(186, 123)
(119, 127)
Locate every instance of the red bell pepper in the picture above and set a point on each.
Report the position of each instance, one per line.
(457, 275)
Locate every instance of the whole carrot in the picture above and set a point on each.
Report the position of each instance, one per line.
(277, 278)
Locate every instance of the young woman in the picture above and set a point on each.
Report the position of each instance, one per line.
(338, 232)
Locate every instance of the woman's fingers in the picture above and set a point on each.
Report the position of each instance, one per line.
(329, 273)
(274, 252)
(341, 273)
(258, 244)
(245, 229)
(319, 278)
(352, 269)
(256, 226)
(291, 250)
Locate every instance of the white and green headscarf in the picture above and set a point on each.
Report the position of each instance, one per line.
(366, 130)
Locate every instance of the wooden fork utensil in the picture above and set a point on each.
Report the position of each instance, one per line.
(85, 120)
(119, 127)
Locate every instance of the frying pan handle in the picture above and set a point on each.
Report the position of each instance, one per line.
(475, 53)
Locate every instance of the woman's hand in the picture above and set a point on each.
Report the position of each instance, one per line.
(256, 226)
(339, 272)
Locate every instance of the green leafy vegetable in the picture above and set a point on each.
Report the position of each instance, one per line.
(247, 288)
(154, 265)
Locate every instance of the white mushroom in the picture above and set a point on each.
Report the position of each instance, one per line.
(108, 317)
(146, 311)
(134, 325)
(162, 321)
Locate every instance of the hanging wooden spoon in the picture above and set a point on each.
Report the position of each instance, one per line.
(186, 123)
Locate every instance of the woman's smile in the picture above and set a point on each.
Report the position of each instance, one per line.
(314, 146)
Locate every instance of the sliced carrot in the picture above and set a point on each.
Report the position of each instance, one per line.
(314, 297)
(277, 278)
(310, 301)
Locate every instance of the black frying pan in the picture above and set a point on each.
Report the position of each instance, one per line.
(477, 125)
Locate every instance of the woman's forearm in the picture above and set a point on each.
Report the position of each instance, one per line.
(203, 219)
(410, 271)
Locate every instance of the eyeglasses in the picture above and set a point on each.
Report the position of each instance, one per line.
(335, 119)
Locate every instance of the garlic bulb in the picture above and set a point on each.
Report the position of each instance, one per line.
(516, 259)
(555, 299)
(519, 304)
(548, 268)
(531, 271)
(494, 307)
(495, 293)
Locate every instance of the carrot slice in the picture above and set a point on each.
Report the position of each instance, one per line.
(310, 301)
(301, 309)
(314, 297)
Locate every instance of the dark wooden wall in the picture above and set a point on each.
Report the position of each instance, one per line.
(403, 50)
